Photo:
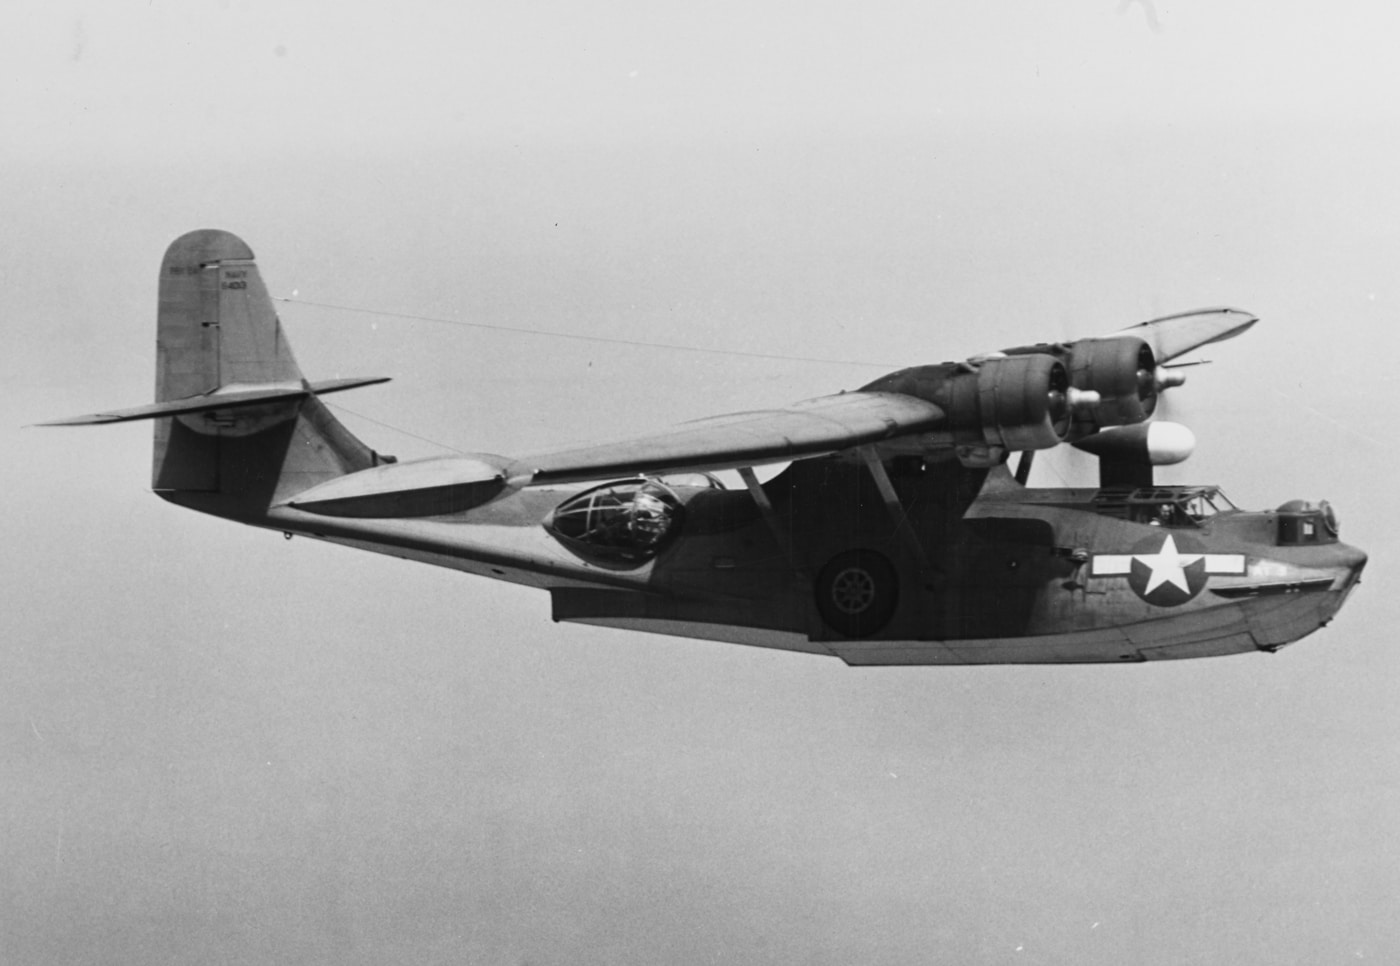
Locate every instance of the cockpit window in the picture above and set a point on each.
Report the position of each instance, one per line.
(1175, 506)
(1207, 503)
(1162, 515)
(621, 523)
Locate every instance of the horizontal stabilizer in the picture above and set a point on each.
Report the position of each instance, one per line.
(229, 397)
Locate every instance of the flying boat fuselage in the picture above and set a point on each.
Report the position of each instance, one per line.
(979, 569)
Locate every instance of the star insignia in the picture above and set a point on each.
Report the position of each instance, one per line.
(1172, 574)
(1168, 566)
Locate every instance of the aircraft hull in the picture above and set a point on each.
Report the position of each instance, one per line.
(1009, 576)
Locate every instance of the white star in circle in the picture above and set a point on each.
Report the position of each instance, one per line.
(1168, 566)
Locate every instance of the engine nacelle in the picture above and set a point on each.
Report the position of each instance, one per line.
(1001, 403)
(1023, 402)
(1123, 371)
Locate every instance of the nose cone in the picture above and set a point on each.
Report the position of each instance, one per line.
(1352, 561)
(1347, 565)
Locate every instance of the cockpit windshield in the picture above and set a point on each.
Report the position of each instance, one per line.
(1207, 503)
(1175, 506)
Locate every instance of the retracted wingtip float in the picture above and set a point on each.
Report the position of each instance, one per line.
(897, 535)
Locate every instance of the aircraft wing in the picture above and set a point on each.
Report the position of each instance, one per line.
(1176, 335)
(813, 428)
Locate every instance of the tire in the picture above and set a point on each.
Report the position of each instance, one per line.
(857, 592)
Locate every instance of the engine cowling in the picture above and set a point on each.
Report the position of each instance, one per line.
(1023, 402)
(1123, 371)
(1016, 402)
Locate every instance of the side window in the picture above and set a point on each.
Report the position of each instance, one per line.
(624, 524)
(1293, 530)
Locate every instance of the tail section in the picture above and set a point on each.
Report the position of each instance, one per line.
(218, 333)
(237, 426)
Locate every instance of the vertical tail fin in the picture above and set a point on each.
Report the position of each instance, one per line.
(218, 333)
(216, 325)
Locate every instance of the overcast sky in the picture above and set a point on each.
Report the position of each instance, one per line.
(220, 747)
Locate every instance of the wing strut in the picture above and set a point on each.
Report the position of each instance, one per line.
(1023, 466)
(770, 516)
(892, 504)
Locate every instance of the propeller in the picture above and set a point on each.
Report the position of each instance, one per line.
(1156, 382)
(1157, 440)
(1127, 455)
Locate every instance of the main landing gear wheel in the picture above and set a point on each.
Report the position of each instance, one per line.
(857, 592)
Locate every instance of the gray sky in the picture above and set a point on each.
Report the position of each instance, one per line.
(216, 746)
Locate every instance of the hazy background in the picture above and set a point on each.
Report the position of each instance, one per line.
(219, 747)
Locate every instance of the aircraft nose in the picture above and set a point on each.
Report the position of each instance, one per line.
(1315, 526)
(1354, 560)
